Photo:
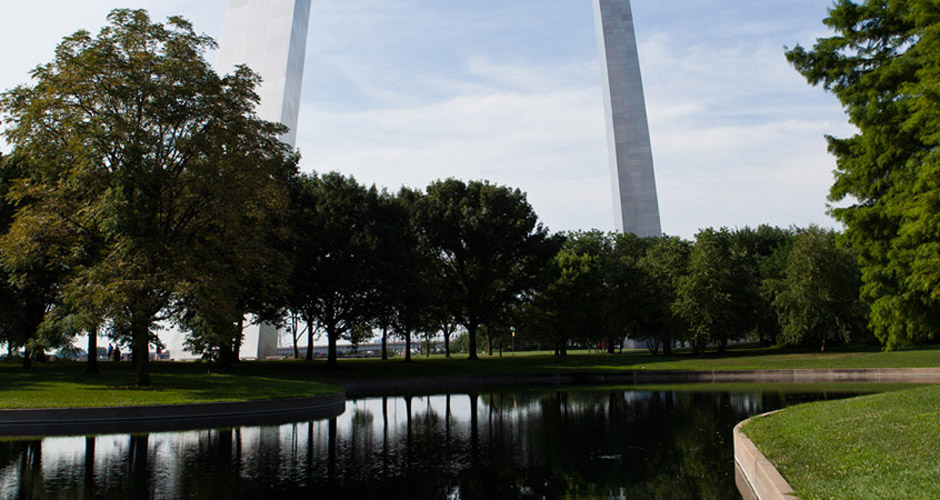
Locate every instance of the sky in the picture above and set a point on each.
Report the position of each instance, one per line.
(405, 92)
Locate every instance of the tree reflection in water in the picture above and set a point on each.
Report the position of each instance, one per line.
(607, 444)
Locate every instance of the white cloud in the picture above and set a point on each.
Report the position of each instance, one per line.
(414, 90)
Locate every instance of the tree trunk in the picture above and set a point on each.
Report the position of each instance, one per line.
(142, 348)
(332, 358)
(91, 366)
(446, 342)
(27, 358)
(652, 345)
(296, 348)
(407, 347)
(239, 331)
(489, 345)
(385, 342)
(823, 349)
(667, 345)
(225, 355)
(472, 341)
(309, 339)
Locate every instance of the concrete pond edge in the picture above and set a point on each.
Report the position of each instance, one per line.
(156, 418)
(755, 476)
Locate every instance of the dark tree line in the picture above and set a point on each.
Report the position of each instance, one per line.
(776, 286)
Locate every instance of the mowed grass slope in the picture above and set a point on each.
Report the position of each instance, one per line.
(750, 358)
(64, 384)
(883, 446)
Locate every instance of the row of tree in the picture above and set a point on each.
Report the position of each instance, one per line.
(778, 286)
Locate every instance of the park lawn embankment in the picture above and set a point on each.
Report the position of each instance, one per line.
(871, 447)
(750, 358)
(66, 385)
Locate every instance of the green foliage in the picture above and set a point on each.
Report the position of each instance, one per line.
(28, 287)
(759, 253)
(334, 282)
(711, 297)
(666, 262)
(882, 64)
(818, 299)
(143, 166)
(634, 301)
(566, 308)
(407, 269)
(489, 244)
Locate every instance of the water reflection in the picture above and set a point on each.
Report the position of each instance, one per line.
(610, 444)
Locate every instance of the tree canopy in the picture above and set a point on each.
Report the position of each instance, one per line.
(818, 299)
(490, 246)
(146, 162)
(883, 63)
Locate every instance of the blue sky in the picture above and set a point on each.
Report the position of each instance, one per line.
(407, 91)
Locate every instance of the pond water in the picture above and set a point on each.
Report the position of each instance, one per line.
(608, 443)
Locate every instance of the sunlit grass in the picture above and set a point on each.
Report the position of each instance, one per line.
(872, 447)
(65, 385)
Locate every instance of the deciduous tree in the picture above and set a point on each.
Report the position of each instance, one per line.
(489, 244)
(134, 141)
(334, 282)
(818, 300)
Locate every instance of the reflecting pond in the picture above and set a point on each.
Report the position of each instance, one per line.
(608, 443)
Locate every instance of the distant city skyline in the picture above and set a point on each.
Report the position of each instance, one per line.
(403, 93)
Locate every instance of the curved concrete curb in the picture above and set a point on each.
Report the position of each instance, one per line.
(756, 477)
(73, 421)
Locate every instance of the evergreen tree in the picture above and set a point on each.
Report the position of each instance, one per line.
(883, 63)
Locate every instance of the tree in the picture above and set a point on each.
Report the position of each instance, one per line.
(403, 270)
(28, 286)
(709, 298)
(882, 64)
(490, 246)
(666, 263)
(760, 254)
(566, 307)
(247, 280)
(631, 302)
(818, 300)
(133, 141)
(407, 268)
(334, 281)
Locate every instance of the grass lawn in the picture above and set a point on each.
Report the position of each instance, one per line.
(882, 446)
(64, 384)
(747, 358)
